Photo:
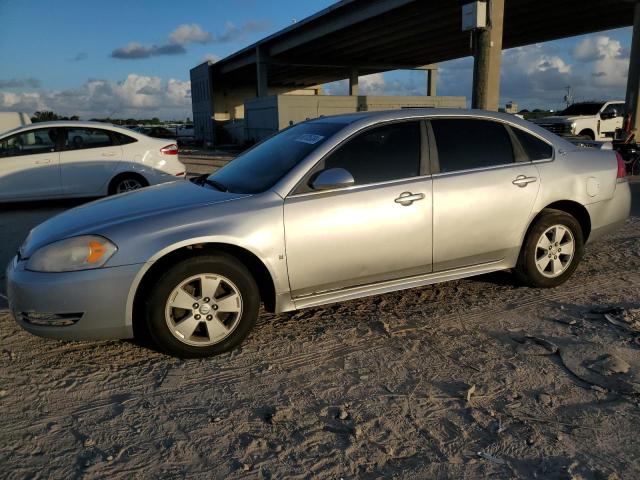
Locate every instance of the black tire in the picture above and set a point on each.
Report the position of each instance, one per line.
(115, 184)
(588, 134)
(221, 265)
(528, 271)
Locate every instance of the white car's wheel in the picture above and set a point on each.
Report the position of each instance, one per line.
(126, 183)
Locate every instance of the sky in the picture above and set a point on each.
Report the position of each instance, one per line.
(132, 58)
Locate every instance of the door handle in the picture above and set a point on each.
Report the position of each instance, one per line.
(43, 162)
(109, 154)
(522, 180)
(407, 198)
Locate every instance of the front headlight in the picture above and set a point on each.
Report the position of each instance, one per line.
(71, 254)
(573, 127)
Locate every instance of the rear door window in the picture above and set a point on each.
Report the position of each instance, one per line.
(84, 138)
(466, 144)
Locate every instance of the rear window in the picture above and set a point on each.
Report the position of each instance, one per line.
(124, 139)
(535, 148)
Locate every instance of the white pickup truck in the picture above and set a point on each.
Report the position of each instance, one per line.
(594, 120)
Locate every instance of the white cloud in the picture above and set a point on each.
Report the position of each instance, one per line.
(551, 64)
(612, 67)
(597, 48)
(136, 96)
(373, 84)
(189, 33)
(185, 35)
(29, 102)
(178, 93)
(210, 57)
(382, 84)
(233, 33)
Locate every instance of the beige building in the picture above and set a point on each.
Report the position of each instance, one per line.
(264, 116)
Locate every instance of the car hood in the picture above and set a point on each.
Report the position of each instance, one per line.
(96, 216)
(557, 119)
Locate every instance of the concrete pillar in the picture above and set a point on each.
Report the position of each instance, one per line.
(262, 82)
(432, 82)
(633, 80)
(487, 57)
(353, 82)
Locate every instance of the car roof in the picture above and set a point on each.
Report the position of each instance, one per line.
(404, 113)
(364, 119)
(72, 123)
(68, 123)
(408, 113)
(592, 102)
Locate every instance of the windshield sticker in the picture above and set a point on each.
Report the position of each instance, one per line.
(309, 138)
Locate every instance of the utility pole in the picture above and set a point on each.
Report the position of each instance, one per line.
(568, 98)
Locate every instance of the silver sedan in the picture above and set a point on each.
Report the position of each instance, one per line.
(328, 210)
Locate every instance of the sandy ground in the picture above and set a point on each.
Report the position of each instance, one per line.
(477, 378)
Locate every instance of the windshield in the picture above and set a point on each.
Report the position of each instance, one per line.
(261, 167)
(583, 109)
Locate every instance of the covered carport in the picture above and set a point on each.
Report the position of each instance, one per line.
(360, 37)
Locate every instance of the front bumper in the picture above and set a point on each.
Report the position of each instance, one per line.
(91, 302)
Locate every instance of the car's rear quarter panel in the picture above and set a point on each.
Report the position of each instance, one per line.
(587, 177)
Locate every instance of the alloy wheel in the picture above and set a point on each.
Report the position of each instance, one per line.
(555, 251)
(204, 309)
(128, 185)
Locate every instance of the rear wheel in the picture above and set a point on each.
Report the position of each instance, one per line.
(202, 306)
(126, 183)
(552, 250)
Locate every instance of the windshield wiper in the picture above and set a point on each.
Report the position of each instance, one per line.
(216, 184)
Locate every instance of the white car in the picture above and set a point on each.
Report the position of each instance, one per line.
(82, 159)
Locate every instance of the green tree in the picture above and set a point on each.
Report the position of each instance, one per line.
(44, 116)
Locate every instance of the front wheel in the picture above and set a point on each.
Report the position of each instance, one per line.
(202, 306)
(552, 250)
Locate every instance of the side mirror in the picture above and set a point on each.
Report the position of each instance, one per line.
(610, 114)
(332, 178)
